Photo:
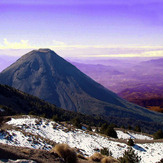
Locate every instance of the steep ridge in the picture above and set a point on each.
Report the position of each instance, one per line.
(46, 75)
(13, 101)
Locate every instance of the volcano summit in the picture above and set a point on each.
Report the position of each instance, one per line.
(46, 75)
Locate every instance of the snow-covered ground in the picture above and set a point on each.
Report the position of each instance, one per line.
(87, 143)
(127, 135)
(17, 161)
(17, 138)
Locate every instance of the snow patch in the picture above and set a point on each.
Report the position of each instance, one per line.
(128, 135)
(17, 138)
(17, 161)
(86, 142)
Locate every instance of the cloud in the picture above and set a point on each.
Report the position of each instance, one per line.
(154, 53)
(74, 50)
(105, 51)
(23, 44)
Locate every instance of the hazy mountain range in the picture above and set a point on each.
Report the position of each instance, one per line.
(44, 74)
(138, 82)
(130, 72)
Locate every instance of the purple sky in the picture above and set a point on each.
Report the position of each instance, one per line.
(80, 28)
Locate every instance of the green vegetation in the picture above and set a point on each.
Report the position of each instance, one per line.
(106, 152)
(158, 134)
(129, 127)
(111, 132)
(1, 120)
(130, 156)
(55, 118)
(6, 110)
(130, 142)
(97, 130)
(89, 128)
(76, 122)
(104, 128)
(137, 128)
(108, 130)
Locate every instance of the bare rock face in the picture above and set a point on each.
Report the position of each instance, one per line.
(46, 75)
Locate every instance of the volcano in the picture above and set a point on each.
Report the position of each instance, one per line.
(44, 74)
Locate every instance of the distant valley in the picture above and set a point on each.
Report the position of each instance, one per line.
(139, 82)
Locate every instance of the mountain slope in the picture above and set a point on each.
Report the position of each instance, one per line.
(102, 74)
(13, 101)
(46, 75)
(154, 62)
(149, 96)
(40, 133)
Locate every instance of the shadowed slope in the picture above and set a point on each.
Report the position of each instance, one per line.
(44, 74)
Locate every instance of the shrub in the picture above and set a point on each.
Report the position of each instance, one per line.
(96, 157)
(158, 134)
(64, 151)
(108, 130)
(89, 128)
(106, 152)
(137, 128)
(111, 132)
(55, 118)
(109, 160)
(32, 112)
(130, 157)
(76, 123)
(1, 120)
(103, 128)
(130, 142)
(122, 127)
(97, 130)
(129, 127)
